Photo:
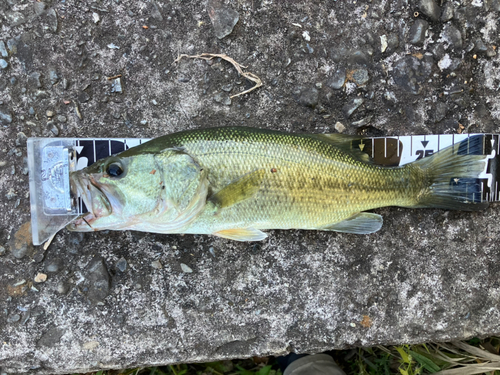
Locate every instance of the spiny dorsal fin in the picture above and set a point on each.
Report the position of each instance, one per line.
(242, 234)
(239, 190)
(360, 223)
(350, 144)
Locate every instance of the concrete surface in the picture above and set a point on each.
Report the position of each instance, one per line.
(117, 300)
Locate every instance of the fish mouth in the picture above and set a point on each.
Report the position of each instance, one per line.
(98, 205)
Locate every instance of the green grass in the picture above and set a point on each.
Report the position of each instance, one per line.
(456, 358)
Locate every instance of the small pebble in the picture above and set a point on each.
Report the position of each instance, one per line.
(445, 62)
(116, 85)
(223, 98)
(306, 36)
(383, 43)
(337, 80)
(3, 50)
(20, 282)
(13, 80)
(83, 97)
(53, 77)
(50, 113)
(3, 64)
(490, 52)
(185, 268)
(393, 41)
(144, 122)
(417, 32)
(2, 250)
(122, 264)
(181, 77)
(113, 46)
(360, 76)
(430, 9)
(339, 127)
(154, 102)
(62, 119)
(349, 108)
(390, 96)
(39, 7)
(11, 194)
(21, 139)
(34, 79)
(309, 97)
(452, 35)
(14, 318)
(62, 288)
(54, 129)
(40, 278)
(5, 118)
(52, 267)
(12, 45)
(52, 20)
(358, 57)
(448, 11)
(156, 264)
(479, 46)
(223, 18)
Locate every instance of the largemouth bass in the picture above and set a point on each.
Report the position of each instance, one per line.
(236, 182)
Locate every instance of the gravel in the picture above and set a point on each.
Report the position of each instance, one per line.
(448, 11)
(99, 280)
(309, 97)
(430, 9)
(5, 117)
(417, 32)
(337, 80)
(122, 264)
(223, 18)
(452, 35)
(349, 108)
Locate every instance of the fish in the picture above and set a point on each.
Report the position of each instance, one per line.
(237, 182)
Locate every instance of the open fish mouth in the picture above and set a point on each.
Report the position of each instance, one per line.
(97, 203)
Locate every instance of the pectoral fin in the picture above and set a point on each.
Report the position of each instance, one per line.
(239, 190)
(360, 223)
(242, 234)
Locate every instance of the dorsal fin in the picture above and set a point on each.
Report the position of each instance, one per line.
(350, 144)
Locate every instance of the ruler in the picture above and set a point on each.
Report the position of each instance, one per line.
(50, 160)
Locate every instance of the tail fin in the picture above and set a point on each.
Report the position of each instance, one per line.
(452, 176)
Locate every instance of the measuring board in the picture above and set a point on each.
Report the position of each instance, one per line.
(50, 161)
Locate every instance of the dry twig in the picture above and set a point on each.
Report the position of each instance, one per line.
(209, 56)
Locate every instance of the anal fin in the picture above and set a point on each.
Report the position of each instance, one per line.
(242, 234)
(360, 223)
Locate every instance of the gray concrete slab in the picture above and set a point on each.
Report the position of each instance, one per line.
(428, 275)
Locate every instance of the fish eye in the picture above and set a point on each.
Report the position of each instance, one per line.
(114, 169)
